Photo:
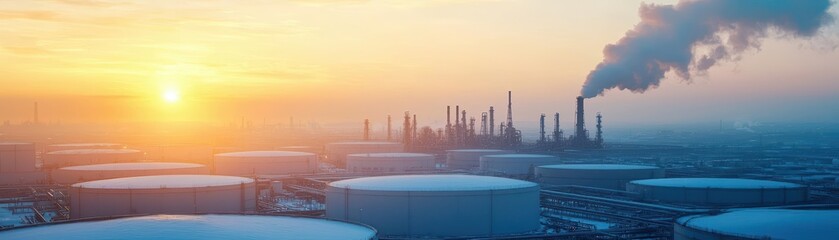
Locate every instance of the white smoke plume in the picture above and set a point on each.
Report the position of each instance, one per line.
(670, 38)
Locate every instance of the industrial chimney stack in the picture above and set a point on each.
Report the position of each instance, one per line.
(580, 132)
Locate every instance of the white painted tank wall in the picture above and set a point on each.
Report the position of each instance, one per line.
(389, 162)
(437, 210)
(608, 176)
(84, 173)
(760, 223)
(17, 157)
(515, 164)
(169, 194)
(337, 152)
(265, 163)
(71, 146)
(468, 159)
(740, 192)
(78, 157)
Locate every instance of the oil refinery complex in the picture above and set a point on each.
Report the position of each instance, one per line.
(474, 178)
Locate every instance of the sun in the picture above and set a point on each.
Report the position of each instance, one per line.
(171, 95)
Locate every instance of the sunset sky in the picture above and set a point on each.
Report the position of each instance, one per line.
(216, 61)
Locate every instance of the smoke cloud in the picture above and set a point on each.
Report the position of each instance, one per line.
(694, 35)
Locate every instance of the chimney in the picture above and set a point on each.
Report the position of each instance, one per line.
(580, 132)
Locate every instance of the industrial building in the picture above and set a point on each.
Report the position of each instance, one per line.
(205, 227)
(165, 194)
(84, 173)
(389, 162)
(519, 165)
(760, 223)
(77, 157)
(336, 153)
(607, 176)
(438, 206)
(469, 159)
(719, 191)
(255, 163)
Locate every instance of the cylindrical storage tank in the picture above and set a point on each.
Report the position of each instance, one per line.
(17, 157)
(389, 162)
(468, 159)
(337, 152)
(165, 194)
(204, 227)
(515, 164)
(608, 176)
(84, 173)
(179, 153)
(77, 157)
(71, 146)
(265, 163)
(719, 191)
(809, 224)
(436, 206)
(308, 149)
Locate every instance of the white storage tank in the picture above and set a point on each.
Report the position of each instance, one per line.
(803, 224)
(515, 164)
(17, 157)
(84, 173)
(77, 157)
(469, 159)
(71, 146)
(719, 191)
(265, 163)
(608, 176)
(166, 194)
(308, 149)
(437, 206)
(337, 152)
(204, 227)
(389, 162)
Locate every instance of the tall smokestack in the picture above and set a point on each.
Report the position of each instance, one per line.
(694, 35)
(580, 132)
(366, 129)
(388, 128)
(491, 121)
(542, 128)
(509, 110)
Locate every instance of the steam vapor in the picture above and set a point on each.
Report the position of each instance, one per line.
(693, 36)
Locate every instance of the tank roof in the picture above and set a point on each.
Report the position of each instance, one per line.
(599, 167)
(165, 181)
(365, 143)
(769, 223)
(519, 155)
(165, 227)
(390, 155)
(94, 151)
(475, 150)
(265, 154)
(714, 183)
(85, 144)
(432, 183)
(133, 166)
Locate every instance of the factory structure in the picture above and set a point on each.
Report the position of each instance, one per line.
(463, 181)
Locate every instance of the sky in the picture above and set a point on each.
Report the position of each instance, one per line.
(216, 61)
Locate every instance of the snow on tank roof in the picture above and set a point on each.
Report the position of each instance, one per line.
(165, 181)
(519, 155)
(365, 143)
(390, 155)
(133, 166)
(85, 144)
(265, 154)
(95, 151)
(599, 167)
(206, 227)
(475, 150)
(770, 223)
(432, 183)
(714, 183)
